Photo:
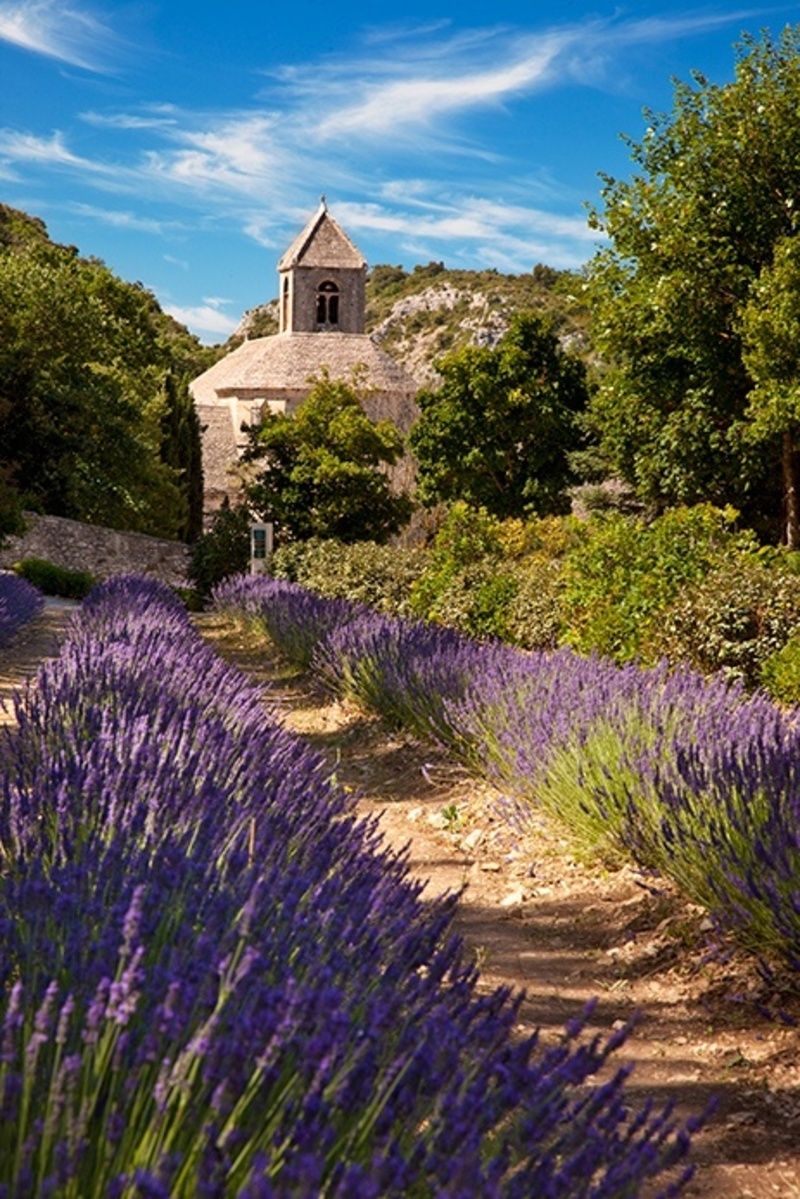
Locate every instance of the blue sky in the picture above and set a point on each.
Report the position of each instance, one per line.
(186, 143)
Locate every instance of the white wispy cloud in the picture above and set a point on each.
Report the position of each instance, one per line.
(420, 100)
(173, 261)
(127, 120)
(48, 151)
(123, 220)
(242, 153)
(507, 234)
(203, 318)
(57, 30)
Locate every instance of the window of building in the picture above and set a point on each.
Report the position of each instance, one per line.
(285, 306)
(327, 304)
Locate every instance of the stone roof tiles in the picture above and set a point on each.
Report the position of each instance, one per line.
(322, 243)
(286, 362)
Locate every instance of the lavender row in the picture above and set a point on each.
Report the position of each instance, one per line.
(19, 603)
(216, 982)
(689, 776)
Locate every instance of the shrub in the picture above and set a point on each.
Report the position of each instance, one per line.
(780, 674)
(736, 619)
(363, 571)
(19, 603)
(534, 617)
(55, 580)
(224, 550)
(466, 537)
(623, 575)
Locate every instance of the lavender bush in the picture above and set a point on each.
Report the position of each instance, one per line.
(215, 982)
(689, 776)
(297, 620)
(19, 603)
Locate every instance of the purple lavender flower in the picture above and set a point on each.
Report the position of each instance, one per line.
(234, 988)
(19, 603)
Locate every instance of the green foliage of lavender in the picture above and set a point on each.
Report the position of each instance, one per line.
(216, 982)
(688, 776)
(19, 603)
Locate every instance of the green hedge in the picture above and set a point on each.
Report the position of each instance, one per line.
(363, 571)
(55, 580)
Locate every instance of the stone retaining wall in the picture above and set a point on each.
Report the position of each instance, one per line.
(102, 552)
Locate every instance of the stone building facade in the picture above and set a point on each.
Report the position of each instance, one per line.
(322, 281)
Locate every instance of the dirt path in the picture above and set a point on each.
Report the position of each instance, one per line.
(538, 918)
(33, 643)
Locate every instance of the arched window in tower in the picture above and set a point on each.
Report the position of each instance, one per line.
(285, 307)
(327, 304)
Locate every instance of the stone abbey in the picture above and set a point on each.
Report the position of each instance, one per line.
(322, 283)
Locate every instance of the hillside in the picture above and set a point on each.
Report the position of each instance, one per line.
(421, 314)
(21, 233)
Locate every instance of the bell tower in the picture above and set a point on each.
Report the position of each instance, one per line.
(322, 279)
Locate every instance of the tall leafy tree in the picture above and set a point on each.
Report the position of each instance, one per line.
(770, 328)
(499, 429)
(717, 187)
(181, 449)
(83, 356)
(80, 394)
(321, 472)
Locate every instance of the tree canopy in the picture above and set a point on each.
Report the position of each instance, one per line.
(320, 472)
(717, 188)
(83, 399)
(498, 430)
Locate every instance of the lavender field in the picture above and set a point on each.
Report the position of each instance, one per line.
(19, 603)
(689, 777)
(216, 982)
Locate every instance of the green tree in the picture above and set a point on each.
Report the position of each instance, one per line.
(321, 471)
(223, 550)
(716, 189)
(498, 430)
(83, 356)
(181, 450)
(770, 328)
(11, 521)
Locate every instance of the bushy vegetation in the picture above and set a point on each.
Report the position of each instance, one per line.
(379, 575)
(52, 579)
(689, 586)
(623, 573)
(734, 620)
(92, 374)
(221, 551)
(19, 603)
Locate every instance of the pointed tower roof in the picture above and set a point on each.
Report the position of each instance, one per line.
(322, 243)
